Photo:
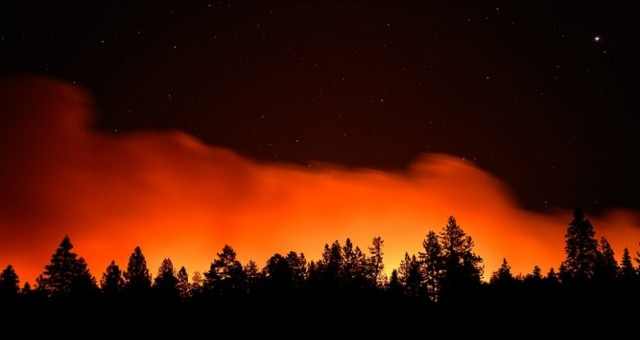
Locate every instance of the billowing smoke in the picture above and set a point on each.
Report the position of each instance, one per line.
(176, 197)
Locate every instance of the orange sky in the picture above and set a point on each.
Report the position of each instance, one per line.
(176, 197)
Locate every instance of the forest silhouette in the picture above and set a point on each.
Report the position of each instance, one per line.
(345, 289)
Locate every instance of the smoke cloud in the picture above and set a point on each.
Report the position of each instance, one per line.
(177, 197)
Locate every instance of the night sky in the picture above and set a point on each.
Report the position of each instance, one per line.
(541, 95)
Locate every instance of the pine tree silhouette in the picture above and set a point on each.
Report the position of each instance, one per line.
(252, 276)
(463, 268)
(433, 265)
(581, 249)
(502, 277)
(535, 277)
(137, 277)
(606, 270)
(166, 282)
(183, 286)
(410, 275)
(9, 284)
(67, 274)
(299, 270)
(375, 262)
(628, 273)
(354, 268)
(112, 282)
(329, 268)
(278, 274)
(226, 275)
(395, 287)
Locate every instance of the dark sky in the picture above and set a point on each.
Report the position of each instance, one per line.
(540, 94)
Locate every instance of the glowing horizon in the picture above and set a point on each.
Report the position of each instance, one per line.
(176, 197)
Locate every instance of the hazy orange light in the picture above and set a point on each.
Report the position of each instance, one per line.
(176, 197)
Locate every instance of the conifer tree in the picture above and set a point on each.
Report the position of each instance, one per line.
(627, 272)
(502, 277)
(606, 270)
(183, 286)
(581, 250)
(112, 281)
(166, 281)
(462, 267)
(375, 262)
(226, 275)
(432, 263)
(67, 274)
(137, 277)
(9, 283)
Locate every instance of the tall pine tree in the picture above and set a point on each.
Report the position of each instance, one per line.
(375, 262)
(67, 274)
(183, 286)
(112, 282)
(628, 273)
(354, 269)
(329, 268)
(137, 277)
(9, 284)
(607, 266)
(410, 275)
(278, 274)
(226, 275)
(166, 282)
(432, 263)
(581, 250)
(299, 270)
(462, 267)
(502, 277)
(252, 276)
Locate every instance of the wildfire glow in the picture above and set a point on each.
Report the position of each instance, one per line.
(176, 197)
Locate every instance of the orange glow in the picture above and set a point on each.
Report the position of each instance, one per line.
(176, 197)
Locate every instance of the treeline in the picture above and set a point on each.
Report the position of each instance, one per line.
(447, 272)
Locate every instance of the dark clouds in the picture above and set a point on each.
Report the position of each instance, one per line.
(522, 89)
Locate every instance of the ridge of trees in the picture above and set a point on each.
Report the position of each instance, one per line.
(447, 270)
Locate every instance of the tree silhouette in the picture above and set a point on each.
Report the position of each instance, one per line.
(112, 281)
(9, 284)
(376, 264)
(137, 277)
(278, 274)
(329, 268)
(552, 277)
(395, 287)
(166, 282)
(581, 249)
(410, 275)
(607, 266)
(298, 265)
(67, 275)
(26, 289)
(628, 273)
(197, 284)
(463, 268)
(502, 277)
(183, 286)
(313, 276)
(252, 276)
(226, 275)
(354, 269)
(535, 277)
(444, 278)
(432, 261)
